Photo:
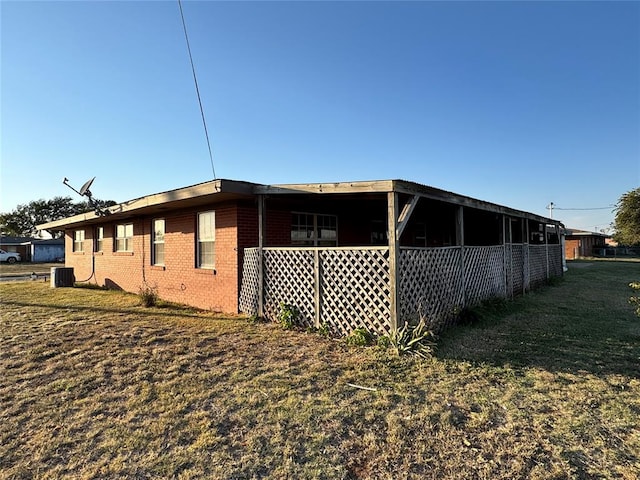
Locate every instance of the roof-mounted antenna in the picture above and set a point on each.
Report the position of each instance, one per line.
(85, 192)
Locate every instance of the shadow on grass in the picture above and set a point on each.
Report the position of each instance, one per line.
(160, 310)
(583, 324)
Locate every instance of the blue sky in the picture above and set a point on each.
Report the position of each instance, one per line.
(516, 103)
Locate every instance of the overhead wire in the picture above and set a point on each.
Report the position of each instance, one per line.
(595, 208)
(195, 81)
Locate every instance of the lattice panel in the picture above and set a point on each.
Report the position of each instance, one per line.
(289, 278)
(537, 265)
(483, 273)
(430, 285)
(515, 269)
(355, 290)
(248, 301)
(555, 260)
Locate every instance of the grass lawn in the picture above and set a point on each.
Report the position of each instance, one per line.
(25, 268)
(94, 386)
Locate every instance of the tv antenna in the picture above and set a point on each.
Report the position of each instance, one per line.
(85, 192)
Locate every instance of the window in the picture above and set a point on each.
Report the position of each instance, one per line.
(157, 247)
(302, 229)
(314, 230)
(78, 241)
(99, 243)
(420, 235)
(206, 239)
(124, 237)
(379, 232)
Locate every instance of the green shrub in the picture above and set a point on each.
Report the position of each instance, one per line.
(413, 340)
(383, 342)
(148, 295)
(288, 316)
(360, 337)
(635, 300)
(255, 319)
(324, 330)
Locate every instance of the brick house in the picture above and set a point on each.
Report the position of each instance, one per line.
(581, 243)
(345, 254)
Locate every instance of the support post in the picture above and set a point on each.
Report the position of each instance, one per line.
(526, 280)
(261, 228)
(317, 293)
(460, 242)
(405, 214)
(546, 248)
(392, 225)
(508, 272)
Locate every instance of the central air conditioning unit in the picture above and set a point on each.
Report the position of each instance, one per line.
(62, 277)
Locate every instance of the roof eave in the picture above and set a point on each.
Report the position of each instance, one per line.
(194, 195)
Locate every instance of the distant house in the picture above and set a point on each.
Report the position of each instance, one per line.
(349, 254)
(34, 249)
(581, 243)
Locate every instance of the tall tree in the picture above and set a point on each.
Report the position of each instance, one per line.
(23, 219)
(627, 221)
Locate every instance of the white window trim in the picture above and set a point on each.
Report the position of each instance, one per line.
(128, 239)
(155, 241)
(78, 244)
(99, 239)
(315, 237)
(199, 241)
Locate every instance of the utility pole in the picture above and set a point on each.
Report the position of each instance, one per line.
(550, 207)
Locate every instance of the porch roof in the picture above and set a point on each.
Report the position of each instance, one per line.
(398, 186)
(223, 190)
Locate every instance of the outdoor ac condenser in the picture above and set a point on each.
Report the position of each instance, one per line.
(62, 277)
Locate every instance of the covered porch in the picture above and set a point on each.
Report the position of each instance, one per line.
(378, 254)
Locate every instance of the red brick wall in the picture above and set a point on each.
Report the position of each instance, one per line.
(179, 280)
(236, 228)
(571, 249)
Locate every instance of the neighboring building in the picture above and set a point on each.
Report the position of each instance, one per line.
(581, 243)
(47, 250)
(17, 245)
(34, 249)
(353, 254)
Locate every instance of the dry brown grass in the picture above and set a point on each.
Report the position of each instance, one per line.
(25, 268)
(95, 386)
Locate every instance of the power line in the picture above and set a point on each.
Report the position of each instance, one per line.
(195, 81)
(595, 208)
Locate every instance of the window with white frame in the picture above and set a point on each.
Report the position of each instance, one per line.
(157, 247)
(311, 229)
(99, 239)
(206, 240)
(78, 241)
(124, 237)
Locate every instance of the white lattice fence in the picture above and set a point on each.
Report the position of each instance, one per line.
(483, 273)
(430, 285)
(515, 269)
(537, 265)
(355, 289)
(555, 260)
(248, 301)
(289, 278)
(354, 283)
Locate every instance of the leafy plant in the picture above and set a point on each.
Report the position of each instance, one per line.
(255, 319)
(383, 342)
(635, 299)
(360, 337)
(288, 316)
(148, 295)
(415, 340)
(324, 329)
